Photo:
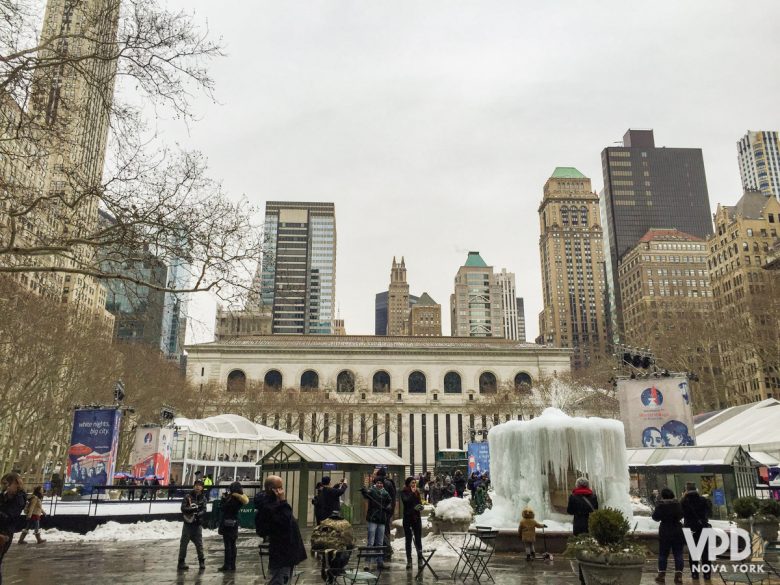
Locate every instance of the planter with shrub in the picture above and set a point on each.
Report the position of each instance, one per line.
(71, 495)
(606, 555)
(759, 516)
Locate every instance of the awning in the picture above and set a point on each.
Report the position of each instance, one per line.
(764, 458)
(344, 454)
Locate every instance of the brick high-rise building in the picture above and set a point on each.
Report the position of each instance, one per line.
(759, 162)
(475, 306)
(425, 318)
(747, 296)
(647, 187)
(571, 249)
(665, 276)
(398, 300)
(297, 278)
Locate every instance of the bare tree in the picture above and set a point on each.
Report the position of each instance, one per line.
(60, 118)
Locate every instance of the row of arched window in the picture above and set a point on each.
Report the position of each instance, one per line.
(345, 382)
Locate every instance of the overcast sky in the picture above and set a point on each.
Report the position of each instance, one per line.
(433, 125)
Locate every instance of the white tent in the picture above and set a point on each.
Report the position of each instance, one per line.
(755, 426)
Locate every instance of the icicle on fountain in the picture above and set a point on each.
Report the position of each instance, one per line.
(536, 463)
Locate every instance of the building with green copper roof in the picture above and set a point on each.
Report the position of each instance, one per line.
(567, 173)
(474, 259)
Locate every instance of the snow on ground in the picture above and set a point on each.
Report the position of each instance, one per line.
(639, 508)
(454, 509)
(111, 508)
(433, 541)
(113, 531)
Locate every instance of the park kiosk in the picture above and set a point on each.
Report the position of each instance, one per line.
(301, 465)
(721, 473)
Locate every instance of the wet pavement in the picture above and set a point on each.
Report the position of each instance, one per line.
(145, 562)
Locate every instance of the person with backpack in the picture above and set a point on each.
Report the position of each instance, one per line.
(582, 503)
(34, 512)
(12, 502)
(697, 510)
(232, 500)
(193, 509)
(275, 522)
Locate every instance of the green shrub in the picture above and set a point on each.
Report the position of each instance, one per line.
(745, 507)
(608, 526)
(769, 507)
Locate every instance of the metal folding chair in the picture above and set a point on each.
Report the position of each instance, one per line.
(479, 551)
(264, 554)
(457, 541)
(366, 556)
(772, 557)
(757, 559)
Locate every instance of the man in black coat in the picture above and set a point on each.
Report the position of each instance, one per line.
(193, 509)
(389, 484)
(697, 511)
(329, 499)
(275, 522)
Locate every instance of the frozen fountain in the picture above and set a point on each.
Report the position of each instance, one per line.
(535, 463)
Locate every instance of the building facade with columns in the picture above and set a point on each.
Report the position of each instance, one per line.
(415, 395)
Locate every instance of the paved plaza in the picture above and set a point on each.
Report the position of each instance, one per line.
(145, 562)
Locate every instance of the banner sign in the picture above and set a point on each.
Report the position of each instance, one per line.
(151, 454)
(479, 457)
(656, 412)
(93, 446)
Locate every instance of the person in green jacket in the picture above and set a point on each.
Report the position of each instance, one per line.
(380, 510)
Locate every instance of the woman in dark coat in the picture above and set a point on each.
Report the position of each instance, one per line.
(669, 513)
(12, 502)
(412, 521)
(582, 503)
(228, 526)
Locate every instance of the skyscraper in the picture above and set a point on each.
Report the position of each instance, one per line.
(425, 318)
(571, 249)
(647, 187)
(297, 278)
(398, 300)
(508, 303)
(521, 336)
(475, 306)
(759, 162)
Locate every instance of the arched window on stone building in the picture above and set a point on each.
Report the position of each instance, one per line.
(452, 383)
(417, 383)
(487, 383)
(345, 381)
(273, 380)
(236, 381)
(381, 382)
(310, 380)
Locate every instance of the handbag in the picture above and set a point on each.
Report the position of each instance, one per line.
(229, 522)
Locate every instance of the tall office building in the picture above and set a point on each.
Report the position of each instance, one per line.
(571, 247)
(71, 99)
(475, 306)
(508, 303)
(521, 335)
(647, 187)
(297, 277)
(398, 300)
(759, 162)
(746, 296)
(425, 318)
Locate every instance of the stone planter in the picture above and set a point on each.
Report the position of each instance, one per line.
(766, 529)
(71, 497)
(440, 525)
(600, 570)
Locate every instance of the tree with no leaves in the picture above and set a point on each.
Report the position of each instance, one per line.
(90, 88)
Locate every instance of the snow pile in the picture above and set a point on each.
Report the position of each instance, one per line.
(434, 541)
(113, 531)
(639, 508)
(524, 453)
(453, 509)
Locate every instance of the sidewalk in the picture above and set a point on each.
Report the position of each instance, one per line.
(144, 562)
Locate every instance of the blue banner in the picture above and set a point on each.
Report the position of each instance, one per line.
(93, 446)
(479, 457)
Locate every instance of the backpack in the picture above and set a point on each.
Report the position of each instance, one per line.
(261, 528)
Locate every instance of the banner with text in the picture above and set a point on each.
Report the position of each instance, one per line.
(479, 457)
(151, 455)
(93, 446)
(656, 412)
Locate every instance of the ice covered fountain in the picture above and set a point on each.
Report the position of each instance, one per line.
(536, 462)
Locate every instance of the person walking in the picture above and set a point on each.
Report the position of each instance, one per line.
(131, 489)
(193, 509)
(527, 532)
(232, 501)
(411, 498)
(582, 503)
(275, 522)
(12, 502)
(389, 484)
(669, 513)
(172, 488)
(378, 513)
(34, 512)
(329, 499)
(448, 490)
(697, 510)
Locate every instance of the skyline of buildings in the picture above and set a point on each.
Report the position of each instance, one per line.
(571, 249)
(759, 162)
